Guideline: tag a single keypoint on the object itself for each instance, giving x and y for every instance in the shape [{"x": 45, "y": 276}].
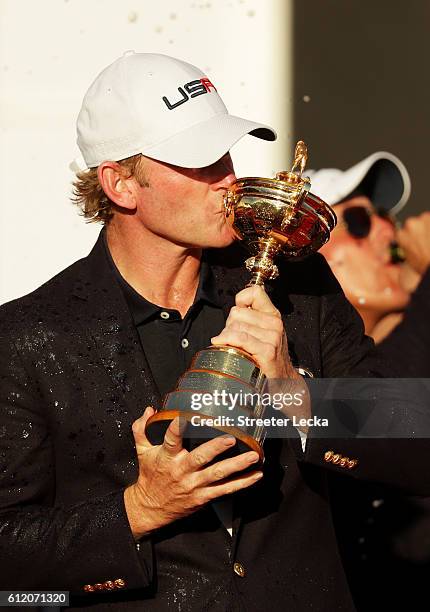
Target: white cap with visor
[
  {"x": 161, "y": 107},
  {"x": 382, "y": 177}
]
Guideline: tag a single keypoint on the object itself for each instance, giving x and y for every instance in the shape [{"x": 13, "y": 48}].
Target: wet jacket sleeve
[{"x": 43, "y": 546}]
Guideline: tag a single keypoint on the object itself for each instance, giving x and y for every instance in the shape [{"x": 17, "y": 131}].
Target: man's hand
[
  {"x": 414, "y": 238},
  {"x": 174, "y": 483},
  {"x": 256, "y": 326}
]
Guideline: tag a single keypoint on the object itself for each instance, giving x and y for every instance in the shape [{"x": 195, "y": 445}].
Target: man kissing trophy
[{"x": 273, "y": 217}]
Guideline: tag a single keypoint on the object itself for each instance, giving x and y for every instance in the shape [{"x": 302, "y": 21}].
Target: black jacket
[
  {"x": 383, "y": 535},
  {"x": 407, "y": 348},
  {"x": 73, "y": 378}
]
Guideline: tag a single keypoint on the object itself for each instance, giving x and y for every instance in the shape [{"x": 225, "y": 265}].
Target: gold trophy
[{"x": 272, "y": 217}]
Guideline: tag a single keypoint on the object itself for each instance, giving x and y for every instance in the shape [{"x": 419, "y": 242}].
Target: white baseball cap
[
  {"x": 161, "y": 107},
  {"x": 382, "y": 177}
]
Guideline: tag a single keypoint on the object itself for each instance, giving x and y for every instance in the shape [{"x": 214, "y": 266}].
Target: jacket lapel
[{"x": 109, "y": 325}]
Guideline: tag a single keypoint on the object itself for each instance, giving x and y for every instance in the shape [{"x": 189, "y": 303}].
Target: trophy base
[
  {"x": 217, "y": 373},
  {"x": 157, "y": 425}
]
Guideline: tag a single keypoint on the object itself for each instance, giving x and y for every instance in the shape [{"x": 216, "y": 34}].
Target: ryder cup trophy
[{"x": 273, "y": 217}]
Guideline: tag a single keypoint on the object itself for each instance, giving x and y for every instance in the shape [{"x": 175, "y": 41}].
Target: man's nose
[
  {"x": 228, "y": 180},
  {"x": 226, "y": 175}
]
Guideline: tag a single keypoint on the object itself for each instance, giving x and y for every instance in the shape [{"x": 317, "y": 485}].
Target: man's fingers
[
  {"x": 268, "y": 336},
  {"x": 232, "y": 485},
  {"x": 255, "y": 297},
  {"x": 227, "y": 467},
  {"x": 172, "y": 443},
  {"x": 138, "y": 429},
  {"x": 249, "y": 343},
  {"x": 206, "y": 452},
  {"x": 260, "y": 319}
]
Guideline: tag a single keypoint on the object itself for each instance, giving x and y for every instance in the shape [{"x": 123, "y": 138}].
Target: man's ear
[{"x": 118, "y": 188}]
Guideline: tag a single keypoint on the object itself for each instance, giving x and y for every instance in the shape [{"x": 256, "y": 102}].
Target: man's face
[
  {"x": 185, "y": 206},
  {"x": 363, "y": 265}
]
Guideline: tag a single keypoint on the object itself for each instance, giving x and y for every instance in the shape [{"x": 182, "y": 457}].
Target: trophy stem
[{"x": 262, "y": 266}]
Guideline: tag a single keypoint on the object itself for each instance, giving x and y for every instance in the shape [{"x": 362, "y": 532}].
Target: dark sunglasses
[{"x": 358, "y": 220}]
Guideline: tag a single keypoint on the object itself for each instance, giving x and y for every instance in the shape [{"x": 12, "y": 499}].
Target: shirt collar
[{"x": 142, "y": 310}]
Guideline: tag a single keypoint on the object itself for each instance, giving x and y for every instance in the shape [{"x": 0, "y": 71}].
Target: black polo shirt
[{"x": 168, "y": 340}]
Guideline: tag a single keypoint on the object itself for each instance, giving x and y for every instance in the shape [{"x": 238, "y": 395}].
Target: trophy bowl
[{"x": 272, "y": 217}]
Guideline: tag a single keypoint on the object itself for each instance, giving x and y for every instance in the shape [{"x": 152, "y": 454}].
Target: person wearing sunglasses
[
  {"x": 382, "y": 265},
  {"x": 384, "y": 269},
  {"x": 362, "y": 252}
]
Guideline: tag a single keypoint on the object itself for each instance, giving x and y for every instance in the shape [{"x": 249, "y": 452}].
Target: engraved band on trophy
[{"x": 273, "y": 217}]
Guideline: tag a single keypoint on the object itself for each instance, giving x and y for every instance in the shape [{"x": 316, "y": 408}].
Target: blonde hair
[{"x": 89, "y": 196}]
